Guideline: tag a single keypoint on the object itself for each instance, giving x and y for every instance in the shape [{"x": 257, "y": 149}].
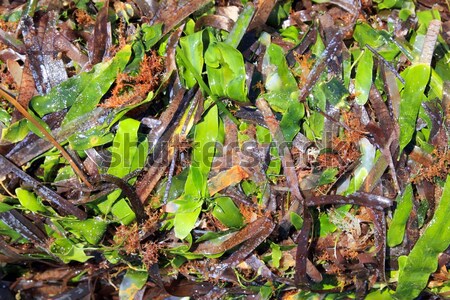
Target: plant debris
[{"x": 224, "y": 149}]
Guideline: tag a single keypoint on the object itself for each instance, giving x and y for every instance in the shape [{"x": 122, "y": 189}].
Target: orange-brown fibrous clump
[
  {"x": 128, "y": 237},
  {"x": 305, "y": 64},
  {"x": 345, "y": 148},
  {"x": 7, "y": 27},
  {"x": 354, "y": 123},
  {"x": 129, "y": 89},
  {"x": 83, "y": 18},
  {"x": 439, "y": 168},
  {"x": 150, "y": 254}
]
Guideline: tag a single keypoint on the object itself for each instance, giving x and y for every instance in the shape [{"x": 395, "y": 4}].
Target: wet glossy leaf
[
  {"x": 385, "y": 294},
  {"x": 177, "y": 186},
  {"x": 192, "y": 46},
  {"x": 363, "y": 79},
  {"x": 5, "y": 118},
  {"x": 83, "y": 91},
  {"x": 205, "y": 137},
  {"x": 276, "y": 255},
  {"x": 291, "y": 34},
  {"x": 367, "y": 162},
  {"x": 123, "y": 211},
  {"x": 132, "y": 282},
  {"x": 29, "y": 200},
  {"x": 389, "y": 4},
  {"x": 184, "y": 222},
  {"x": 151, "y": 34},
  {"x": 226, "y": 71},
  {"x": 34, "y": 128},
  {"x": 123, "y": 151},
  {"x": 16, "y": 132},
  {"x": 90, "y": 139},
  {"x": 364, "y": 34},
  {"x": 227, "y": 213},
  {"x": 186, "y": 215},
  {"x": 124, "y": 147},
  {"x": 280, "y": 84},
  {"x": 290, "y": 122},
  {"x": 91, "y": 230},
  {"x": 416, "y": 80},
  {"x": 328, "y": 176},
  {"x": 68, "y": 251},
  {"x": 296, "y": 220},
  {"x": 423, "y": 258},
  {"x": 334, "y": 92},
  {"x": 5, "y": 207},
  {"x": 91, "y": 95},
  {"x": 401, "y": 214},
  {"x": 240, "y": 27}
]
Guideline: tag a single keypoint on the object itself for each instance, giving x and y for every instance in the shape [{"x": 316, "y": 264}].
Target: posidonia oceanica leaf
[
  {"x": 84, "y": 91},
  {"x": 401, "y": 214},
  {"x": 363, "y": 79},
  {"x": 416, "y": 80},
  {"x": 226, "y": 71},
  {"x": 192, "y": 47},
  {"x": 132, "y": 282},
  {"x": 280, "y": 84},
  {"x": 423, "y": 258},
  {"x": 205, "y": 137}
]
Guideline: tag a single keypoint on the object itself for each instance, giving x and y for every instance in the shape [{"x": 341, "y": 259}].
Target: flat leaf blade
[
  {"x": 363, "y": 79},
  {"x": 416, "y": 79},
  {"x": 397, "y": 228},
  {"x": 423, "y": 258}
]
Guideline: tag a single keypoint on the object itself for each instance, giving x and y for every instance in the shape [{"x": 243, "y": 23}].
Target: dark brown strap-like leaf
[
  {"x": 253, "y": 234},
  {"x": 46, "y": 68},
  {"x": 98, "y": 43},
  {"x": 263, "y": 10},
  {"x": 301, "y": 256},
  {"x": 360, "y": 198},
  {"x": 62, "y": 205},
  {"x": 23, "y": 226},
  {"x": 159, "y": 156},
  {"x": 172, "y": 12}
]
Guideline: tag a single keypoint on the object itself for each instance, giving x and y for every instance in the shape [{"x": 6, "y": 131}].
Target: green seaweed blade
[{"x": 423, "y": 258}]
